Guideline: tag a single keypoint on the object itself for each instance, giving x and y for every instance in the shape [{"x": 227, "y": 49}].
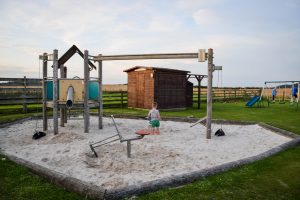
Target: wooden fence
[
  {"x": 29, "y": 90},
  {"x": 20, "y": 91},
  {"x": 228, "y": 93}
]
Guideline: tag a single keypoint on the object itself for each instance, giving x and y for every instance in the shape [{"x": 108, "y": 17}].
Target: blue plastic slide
[{"x": 253, "y": 101}]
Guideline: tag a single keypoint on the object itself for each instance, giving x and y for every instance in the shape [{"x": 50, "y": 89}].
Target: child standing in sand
[{"x": 154, "y": 118}]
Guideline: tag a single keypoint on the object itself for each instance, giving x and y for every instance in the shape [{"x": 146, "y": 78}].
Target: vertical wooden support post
[
  {"x": 55, "y": 93},
  {"x": 62, "y": 110},
  {"x": 100, "y": 95},
  {"x": 65, "y": 110},
  {"x": 45, "y": 117},
  {"x": 25, "y": 94},
  {"x": 209, "y": 92},
  {"x": 86, "y": 91}
]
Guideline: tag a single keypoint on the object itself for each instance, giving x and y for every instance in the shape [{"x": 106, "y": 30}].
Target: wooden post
[
  {"x": 209, "y": 93},
  {"x": 122, "y": 99},
  {"x": 100, "y": 95},
  {"x": 65, "y": 110},
  {"x": 86, "y": 91},
  {"x": 62, "y": 110},
  {"x": 25, "y": 94},
  {"x": 45, "y": 117},
  {"x": 55, "y": 89},
  {"x": 235, "y": 93}
]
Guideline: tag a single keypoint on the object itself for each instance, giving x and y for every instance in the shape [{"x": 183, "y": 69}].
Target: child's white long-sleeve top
[{"x": 154, "y": 114}]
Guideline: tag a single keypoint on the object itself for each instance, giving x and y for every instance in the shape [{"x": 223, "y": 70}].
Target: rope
[
  {"x": 221, "y": 87},
  {"x": 219, "y": 80},
  {"x": 37, "y": 110}
]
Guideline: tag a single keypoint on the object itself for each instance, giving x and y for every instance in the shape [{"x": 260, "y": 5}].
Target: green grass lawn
[
  {"x": 16, "y": 183},
  {"x": 283, "y": 116},
  {"x": 277, "y": 177}
]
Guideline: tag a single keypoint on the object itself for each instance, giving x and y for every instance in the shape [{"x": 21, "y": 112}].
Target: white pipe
[{"x": 70, "y": 95}]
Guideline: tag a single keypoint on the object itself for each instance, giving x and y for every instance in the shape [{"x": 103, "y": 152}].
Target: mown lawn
[
  {"x": 277, "y": 177},
  {"x": 284, "y": 116},
  {"x": 17, "y": 182}
]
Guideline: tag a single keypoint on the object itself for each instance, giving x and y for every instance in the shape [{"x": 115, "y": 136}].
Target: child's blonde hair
[{"x": 154, "y": 104}]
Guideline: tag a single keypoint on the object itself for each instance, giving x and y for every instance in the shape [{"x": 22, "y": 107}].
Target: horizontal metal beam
[
  {"x": 282, "y": 82},
  {"x": 147, "y": 56}
]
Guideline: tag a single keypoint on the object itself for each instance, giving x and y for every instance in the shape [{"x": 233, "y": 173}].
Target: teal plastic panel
[
  {"x": 93, "y": 90},
  {"x": 49, "y": 85}
]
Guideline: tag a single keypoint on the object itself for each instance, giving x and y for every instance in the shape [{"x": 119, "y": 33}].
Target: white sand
[{"x": 178, "y": 149}]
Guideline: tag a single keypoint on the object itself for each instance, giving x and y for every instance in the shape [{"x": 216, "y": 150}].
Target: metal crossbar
[{"x": 147, "y": 56}]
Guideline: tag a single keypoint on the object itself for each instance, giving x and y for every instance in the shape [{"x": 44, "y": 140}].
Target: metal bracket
[
  {"x": 217, "y": 67},
  {"x": 202, "y": 55},
  {"x": 49, "y": 57}
]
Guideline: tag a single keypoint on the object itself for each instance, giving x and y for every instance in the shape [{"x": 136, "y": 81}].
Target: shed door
[{"x": 140, "y": 90}]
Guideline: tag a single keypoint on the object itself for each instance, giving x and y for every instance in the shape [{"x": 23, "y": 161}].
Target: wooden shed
[{"x": 168, "y": 87}]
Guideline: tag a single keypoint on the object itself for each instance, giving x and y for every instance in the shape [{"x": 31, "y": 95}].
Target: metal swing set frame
[{"x": 292, "y": 83}]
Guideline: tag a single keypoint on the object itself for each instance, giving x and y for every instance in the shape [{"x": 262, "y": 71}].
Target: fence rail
[
  {"x": 28, "y": 90},
  {"x": 224, "y": 94}
]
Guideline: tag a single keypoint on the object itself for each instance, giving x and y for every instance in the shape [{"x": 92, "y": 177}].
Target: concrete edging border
[
  {"x": 175, "y": 181},
  {"x": 96, "y": 192},
  {"x": 72, "y": 184}
]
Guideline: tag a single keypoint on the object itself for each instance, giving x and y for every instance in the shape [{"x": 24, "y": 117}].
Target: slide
[{"x": 253, "y": 101}]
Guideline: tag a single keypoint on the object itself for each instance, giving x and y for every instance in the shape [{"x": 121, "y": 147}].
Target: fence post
[
  {"x": 235, "y": 93},
  {"x": 121, "y": 98},
  {"x": 25, "y": 94}
]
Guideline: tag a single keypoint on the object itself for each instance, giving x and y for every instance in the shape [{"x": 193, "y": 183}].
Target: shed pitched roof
[{"x": 156, "y": 69}]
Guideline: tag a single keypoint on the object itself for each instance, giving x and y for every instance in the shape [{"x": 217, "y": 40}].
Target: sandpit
[{"x": 179, "y": 149}]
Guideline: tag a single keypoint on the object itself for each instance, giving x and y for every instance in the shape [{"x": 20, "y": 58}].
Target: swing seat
[{"x": 147, "y": 132}]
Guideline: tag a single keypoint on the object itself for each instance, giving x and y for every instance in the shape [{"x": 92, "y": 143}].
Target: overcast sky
[{"x": 254, "y": 40}]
